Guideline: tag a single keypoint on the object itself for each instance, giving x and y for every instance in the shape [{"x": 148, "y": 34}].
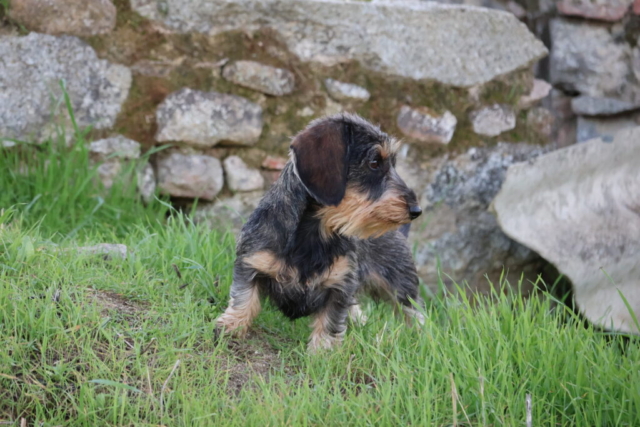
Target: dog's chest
[
  {"x": 301, "y": 271},
  {"x": 332, "y": 276},
  {"x": 318, "y": 262}
]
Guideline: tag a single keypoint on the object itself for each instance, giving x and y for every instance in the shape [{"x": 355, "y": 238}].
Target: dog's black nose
[{"x": 414, "y": 211}]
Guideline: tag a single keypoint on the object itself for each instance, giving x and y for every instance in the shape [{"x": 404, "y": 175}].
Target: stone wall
[{"x": 227, "y": 83}]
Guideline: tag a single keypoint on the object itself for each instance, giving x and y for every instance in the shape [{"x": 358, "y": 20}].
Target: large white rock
[
  {"x": 203, "y": 119},
  {"x": 456, "y": 45},
  {"x": 579, "y": 208},
  {"x": 456, "y": 238},
  {"x": 31, "y": 68}
]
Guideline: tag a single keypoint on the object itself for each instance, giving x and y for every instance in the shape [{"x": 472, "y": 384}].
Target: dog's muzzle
[
  {"x": 414, "y": 212},
  {"x": 409, "y": 197}
]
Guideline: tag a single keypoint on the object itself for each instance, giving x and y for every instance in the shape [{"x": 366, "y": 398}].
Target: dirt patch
[
  {"x": 251, "y": 357},
  {"x": 110, "y": 302}
]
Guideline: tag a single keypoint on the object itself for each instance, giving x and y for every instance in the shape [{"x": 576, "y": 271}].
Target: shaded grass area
[{"x": 89, "y": 341}]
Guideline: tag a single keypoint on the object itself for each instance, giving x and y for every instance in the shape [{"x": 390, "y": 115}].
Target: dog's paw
[
  {"x": 357, "y": 316},
  {"x": 411, "y": 316},
  {"x": 218, "y": 332},
  {"x": 323, "y": 342},
  {"x": 224, "y": 328}
]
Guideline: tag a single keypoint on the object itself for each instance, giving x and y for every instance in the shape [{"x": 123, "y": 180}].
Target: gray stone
[
  {"x": 587, "y": 59},
  {"x": 590, "y": 106},
  {"x": 331, "y": 107},
  {"x": 492, "y": 4},
  {"x": 273, "y": 163},
  {"x": 143, "y": 177},
  {"x": 635, "y": 59},
  {"x": 30, "y": 94},
  {"x": 113, "y": 155},
  {"x": 604, "y": 10},
  {"x": 603, "y": 127},
  {"x": 240, "y": 177},
  {"x": 114, "y": 147},
  {"x": 455, "y": 231},
  {"x": 204, "y": 119},
  {"x": 190, "y": 175},
  {"x": 541, "y": 121},
  {"x": 155, "y": 68},
  {"x": 426, "y": 126},
  {"x": 228, "y": 214},
  {"x": 107, "y": 250},
  {"x": 305, "y": 112},
  {"x": 263, "y": 78},
  {"x": 456, "y": 45},
  {"x": 578, "y": 208},
  {"x": 146, "y": 182},
  {"x": 565, "y": 122},
  {"x": 493, "y": 120},
  {"x": 341, "y": 91},
  {"x": 109, "y": 171},
  {"x": 57, "y": 17},
  {"x": 515, "y": 8},
  {"x": 539, "y": 91}
]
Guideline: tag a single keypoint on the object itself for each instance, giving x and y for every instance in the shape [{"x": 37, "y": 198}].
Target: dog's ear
[{"x": 320, "y": 154}]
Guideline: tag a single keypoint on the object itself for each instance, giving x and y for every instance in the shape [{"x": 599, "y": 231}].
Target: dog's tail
[{"x": 405, "y": 229}]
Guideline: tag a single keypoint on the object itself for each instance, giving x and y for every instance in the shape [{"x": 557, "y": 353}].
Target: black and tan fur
[{"x": 327, "y": 229}]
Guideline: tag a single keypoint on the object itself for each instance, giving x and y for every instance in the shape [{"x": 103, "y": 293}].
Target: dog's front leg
[
  {"x": 244, "y": 303},
  {"x": 330, "y": 324}
]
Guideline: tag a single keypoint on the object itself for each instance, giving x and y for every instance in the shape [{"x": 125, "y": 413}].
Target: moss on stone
[
  {"x": 507, "y": 89},
  {"x": 194, "y": 61},
  {"x": 137, "y": 119}
]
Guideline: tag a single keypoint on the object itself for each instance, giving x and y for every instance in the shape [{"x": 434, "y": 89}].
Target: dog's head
[{"x": 348, "y": 166}]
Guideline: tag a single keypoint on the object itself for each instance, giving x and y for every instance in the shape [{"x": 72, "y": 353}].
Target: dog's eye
[{"x": 374, "y": 164}]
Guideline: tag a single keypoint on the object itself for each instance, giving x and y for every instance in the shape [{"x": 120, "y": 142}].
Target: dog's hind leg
[{"x": 244, "y": 304}]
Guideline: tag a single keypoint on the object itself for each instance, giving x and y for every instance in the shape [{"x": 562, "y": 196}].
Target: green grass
[
  {"x": 86, "y": 341},
  {"x": 55, "y": 185},
  {"x": 91, "y": 342}
]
